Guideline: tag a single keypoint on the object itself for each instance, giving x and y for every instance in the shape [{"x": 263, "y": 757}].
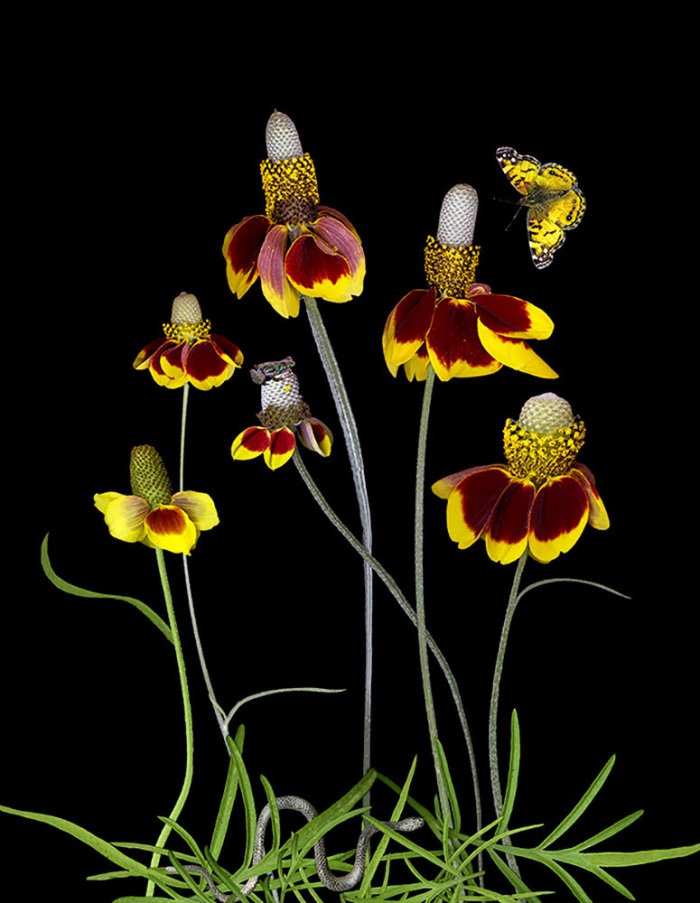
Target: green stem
[
  {"x": 496, "y": 687},
  {"x": 352, "y": 440},
  {"x": 187, "y": 712},
  {"x": 420, "y": 589},
  {"x": 395, "y": 591},
  {"x": 183, "y": 425}
]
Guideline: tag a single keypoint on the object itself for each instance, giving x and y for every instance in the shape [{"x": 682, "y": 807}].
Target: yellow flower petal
[
  {"x": 125, "y": 515},
  {"x": 514, "y": 353},
  {"x": 169, "y": 528},
  {"x": 200, "y": 508}
]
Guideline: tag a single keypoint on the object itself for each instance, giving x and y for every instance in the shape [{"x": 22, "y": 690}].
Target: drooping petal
[
  {"x": 316, "y": 436},
  {"x": 125, "y": 515},
  {"x": 514, "y": 353},
  {"x": 199, "y": 507},
  {"x": 472, "y": 501},
  {"x": 144, "y": 356},
  {"x": 513, "y": 317},
  {"x": 336, "y": 214},
  {"x": 507, "y": 531},
  {"x": 226, "y": 349},
  {"x": 176, "y": 376},
  {"x": 206, "y": 367},
  {"x": 597, "y": 515},
  {"x": 417, "y": 367},
  {"x": 442, "y": 488},
  {"x": 453, "y": 342},
  {"x": 250, "y": 443},
  {"x": 172, "y": 363},
  {"x": 281, "y": 448},
  {"x": 318, "y": 271},
  {"x": 169, "y": 528},
  {"x": 407, "y": 326},
  {"x": 346, "y": 242},
  {"x": 241, "y": 248},
  {"x": 276, "y": 288},
  {"x": 559, "y": 515}
]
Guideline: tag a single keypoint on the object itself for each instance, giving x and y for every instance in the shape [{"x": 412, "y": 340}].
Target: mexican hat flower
[
  {"x": 285, "y": 417},
  {"x": 152, "y": 514},
  {"x": 540, "y": 501},
  {"x": 299, "y": 247},
  {"x": 190, "y": 352},
  {"x": 457, "y": 325}
]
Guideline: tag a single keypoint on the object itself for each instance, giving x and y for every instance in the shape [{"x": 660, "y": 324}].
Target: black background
[{"x": 132, "y": 141}]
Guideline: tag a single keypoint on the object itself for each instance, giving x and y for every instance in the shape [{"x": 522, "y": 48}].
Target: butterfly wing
[
  {"x": 519, "y": 169},
  {"x": 556, "y": 203}
]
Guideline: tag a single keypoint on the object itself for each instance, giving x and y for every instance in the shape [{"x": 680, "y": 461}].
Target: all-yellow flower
[{"x": 153, "y": 514}]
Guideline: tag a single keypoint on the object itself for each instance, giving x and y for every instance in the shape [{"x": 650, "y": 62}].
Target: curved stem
[
  {"x": 218, "y": 709},
  {"x": 420, "y": 590},
  {"x": 395, "y": 591},
  {"x": 496, "y": 686},
  {"x": 187, "y": 712},
  {"x": 352, "y": 440}
]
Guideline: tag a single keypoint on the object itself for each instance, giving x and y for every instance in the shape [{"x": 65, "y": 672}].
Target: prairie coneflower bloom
[
  {"x": 190, "y": 352},
  {"x": 457, "y": 325},
  {"x": 154, "y": 515},
  {"x": 285, "y": 417},
  {"x": 298, "y": 247},
  {"x": 541, "y": 500}
]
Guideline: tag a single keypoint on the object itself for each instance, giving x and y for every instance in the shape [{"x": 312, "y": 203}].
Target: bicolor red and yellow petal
[
  {"x": 152, "y": 514},
  {"x": 174, "y": 527},
  {"x": 540, "y": 502},
  {"x": 190, "y": 352},
  {"x": 276, "y": 446}
]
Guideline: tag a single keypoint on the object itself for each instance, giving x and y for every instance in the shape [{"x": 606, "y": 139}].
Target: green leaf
[
  {"x": 66, "y": 587},
  {"x": 108, "y": 850},
  {"x": 451, "y": 793},
  {"x": 641, "y": 857},
  {"x": 223, "y": 816},
  {"x": 248, "y": 800},
  {"x": 580, "y": 807},
  {"x": 513, "y": 771},
  {"x": 606, "y": 833}
]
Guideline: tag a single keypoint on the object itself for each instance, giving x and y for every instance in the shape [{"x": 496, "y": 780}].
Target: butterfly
[{"x": 551, "y": 194}]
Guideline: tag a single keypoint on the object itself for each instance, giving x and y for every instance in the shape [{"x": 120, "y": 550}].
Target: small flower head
[
  {"x": 285, "y": 417},
  {"x": 540, "y": 501},
  {"x": 298, "y": 247},
  {"x": 190, "y": 352},
  {"x": 458, "y": 325},
  {"x": 152, "y": 514}
]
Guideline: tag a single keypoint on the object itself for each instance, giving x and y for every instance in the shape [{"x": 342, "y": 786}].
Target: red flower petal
[
  {"x": 273, "y": 275},
  {"x": 282, "y": 445},
  {"x": 144, "y": 356},
  {"x": 315, "y": 269},
  {"x": 453, "y": 342},
  {"x": 232, "y": 353},
  {"x": 205, "y": 367},
  {"x": 471, "y": 504},
  {"x": 512, "y": 317},
  {"x": 407, "y": 326},
  {"x": 508, "y": 528},
  {"x": 241, "y": 249},
  {"x": 559, "y": 514}
]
